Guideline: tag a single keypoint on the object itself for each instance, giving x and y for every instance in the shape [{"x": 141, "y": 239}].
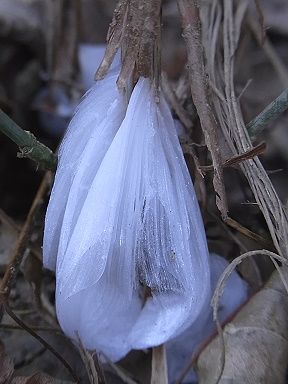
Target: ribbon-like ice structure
[{"x": 123, "y": 228}]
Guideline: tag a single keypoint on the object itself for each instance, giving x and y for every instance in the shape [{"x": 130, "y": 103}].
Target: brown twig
[
  {"x": 191, "y": 25},
  {"x": 23, "y": 238},
  {"x": 136, "y": 28},
  {"x": 114, "y": 37},
  {"x": 249, "y": 234}
]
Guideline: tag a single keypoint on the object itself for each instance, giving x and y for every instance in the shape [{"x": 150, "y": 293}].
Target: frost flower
[{"x": 123, "y": 226}]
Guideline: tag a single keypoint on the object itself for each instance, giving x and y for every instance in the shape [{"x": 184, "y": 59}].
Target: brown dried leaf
[{"x": 256, "y": 344}]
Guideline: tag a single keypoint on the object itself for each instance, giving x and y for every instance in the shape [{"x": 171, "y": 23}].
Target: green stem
[
  {"x": 28, "y": 145},
  {"x": 269, "y": 114}
]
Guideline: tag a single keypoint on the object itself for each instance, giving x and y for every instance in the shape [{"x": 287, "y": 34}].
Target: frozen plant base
[{"x": 123, "y": 226}]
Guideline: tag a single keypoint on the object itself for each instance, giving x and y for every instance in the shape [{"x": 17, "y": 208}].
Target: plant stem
[
  {"x": 28, "y": 144},
  {"x": 269, "y": 114},
  {"x": 191, "y": 25},
  {"x": 21, "y": 243}
]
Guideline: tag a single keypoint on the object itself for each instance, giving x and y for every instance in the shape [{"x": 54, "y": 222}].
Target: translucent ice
[{"x": 132, "y": 261}]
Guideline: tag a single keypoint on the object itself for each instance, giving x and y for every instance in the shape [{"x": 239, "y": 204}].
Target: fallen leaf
[{"x": 256, "y": 341}]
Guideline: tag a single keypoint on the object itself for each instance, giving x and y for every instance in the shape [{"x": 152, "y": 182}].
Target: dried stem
[
  {"x": 23, "y": 238},
  {"x": 159, "y": 373},
  {"x": 13, "y": 266},
  {"x": 269, "y": 114},
  {"x": 27, "y": 143},
  {"x": 222, "y": 43},
  {"x": 191, "y": 24},
  {"x": 136, "y": 28},
  {"x": 114, "y": 37}
]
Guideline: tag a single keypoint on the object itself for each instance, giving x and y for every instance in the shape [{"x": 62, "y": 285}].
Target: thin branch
[
  {"x": 28, "y": 145},
  {"x": 189, "y": 10},
  {"x": 23, "y": 238},
  {"x": 269, "y": 114}
]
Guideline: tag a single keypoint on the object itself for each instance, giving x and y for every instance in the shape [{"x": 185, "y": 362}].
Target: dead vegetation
[{"x": 237, "y": 63}]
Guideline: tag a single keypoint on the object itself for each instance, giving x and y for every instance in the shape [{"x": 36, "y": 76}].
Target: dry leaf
[{"x": 256, "y": 344}]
